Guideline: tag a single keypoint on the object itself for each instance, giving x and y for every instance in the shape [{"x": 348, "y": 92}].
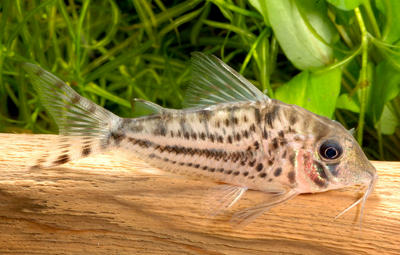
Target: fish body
[{"x": 231, "y": 133}]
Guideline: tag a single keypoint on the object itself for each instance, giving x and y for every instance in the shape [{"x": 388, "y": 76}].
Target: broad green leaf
[
  {"x": 388, "y": 122},
  {"x": 348, "y": 103},
  {"x": 385, "y": 87},
  {"x": 346, "y": 5},
  {"x": 260, "y": 5},
  {"x": 303, "y": 30},
  {"x": 317, "y": 92},
  {"x": 391, "y": 28}
]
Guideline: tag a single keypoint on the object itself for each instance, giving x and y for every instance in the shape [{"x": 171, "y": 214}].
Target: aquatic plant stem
[
  {"x": 363, "y": 82},
  {"x": 371, "y": 17}
]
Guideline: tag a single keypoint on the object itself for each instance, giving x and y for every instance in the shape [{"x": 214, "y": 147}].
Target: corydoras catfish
[{"x": 230, "y": 132}]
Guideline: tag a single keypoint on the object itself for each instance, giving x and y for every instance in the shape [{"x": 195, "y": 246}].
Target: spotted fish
[{"x": 230, "y": 133}]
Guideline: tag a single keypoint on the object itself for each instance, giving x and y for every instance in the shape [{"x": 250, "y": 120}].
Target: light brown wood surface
[{"x": 108, "y": 204}]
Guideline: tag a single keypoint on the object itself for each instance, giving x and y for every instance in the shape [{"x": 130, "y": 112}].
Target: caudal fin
[{"x": 85, "y": 127}]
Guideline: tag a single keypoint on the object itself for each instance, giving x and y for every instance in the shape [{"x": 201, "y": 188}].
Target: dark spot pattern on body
[
  {"x": 257, "y": 116},
  {"x": 228, "y": 172},
  {"x": 186, "y": 135},
  {"x": 270, "y": 162},
  {"x": 320, "y": 131},
  {"x": 136, "y": 128},
  {"x": 202, "y": 136},
  {"x": 204, "y": 115},
  {"x": 265, "y": 134},
  {"x": 226, "y": 122},
  {"x": 256, "y": 145},
  {"x": 262, "y": 175},
  {"x": 252, "y": 163},
  {"x": 284, "y": 154},
  {"x": 229, "y": 139},
  {"x": 259, "y": 167},
  {"x": 292, "y": 177},
  {"x": 272, "y": 115},
  {"x": 292, "y": 158},
  {"x": 211, "y": 137},
  {"x": 235, "y": 120},
  {"x": 117, "y": 137},
  {"x": 236, "y": 173},
  {"x": 278, "y": 172},
  {"x": 274, "y": 143},
  {"x": 252, "y": 128},
  {"x": 220, "y": 139},
  {"x": 246, "y": 173},
  {"x": 238, "y": 137},
  {"x": 216, "y": 154},
  {"x": 293, "y": 118},
  {"x": 160, "y": 129},
  {"x": 246, "y": 134},
  {"x": 141, "y": 143}
]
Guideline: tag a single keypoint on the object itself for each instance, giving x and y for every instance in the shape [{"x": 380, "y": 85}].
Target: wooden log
[{"x": 107, "y": 204}]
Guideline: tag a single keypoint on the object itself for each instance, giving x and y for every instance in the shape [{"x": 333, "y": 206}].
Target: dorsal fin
[
  {"x": 214, "y": 82},
  {"x": 153, "y": 108}
]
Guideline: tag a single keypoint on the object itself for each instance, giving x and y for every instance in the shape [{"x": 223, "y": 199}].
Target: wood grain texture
[{"x": 108, "y": 204}]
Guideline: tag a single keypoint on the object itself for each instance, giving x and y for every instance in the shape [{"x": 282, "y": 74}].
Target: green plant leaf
[
  {"x": 385, "y": 87},
  {"x": 391, "y": 10},
  {"x": 261, "y": 7},
  {"x": 346, "y": 5},
  {"x": 388, "y": 122},
  {"x": 348, "y": 103},
  {"x": 303, "y": 30},
  {"x": 317, "y": 92}
]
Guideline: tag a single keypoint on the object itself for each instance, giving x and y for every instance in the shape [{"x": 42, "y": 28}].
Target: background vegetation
[{"x": 338, "y": 58}]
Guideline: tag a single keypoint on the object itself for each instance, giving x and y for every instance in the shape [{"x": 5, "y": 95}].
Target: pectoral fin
[
  {"x": 222, "y": 198},
  {"x": 245, "y": 216}
]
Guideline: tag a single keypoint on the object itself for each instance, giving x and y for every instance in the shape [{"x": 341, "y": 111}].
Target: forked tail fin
[{"x": 85, "y": 127}]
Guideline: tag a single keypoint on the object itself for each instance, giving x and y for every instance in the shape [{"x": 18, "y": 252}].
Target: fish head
[{"x": 334, "y": 161}]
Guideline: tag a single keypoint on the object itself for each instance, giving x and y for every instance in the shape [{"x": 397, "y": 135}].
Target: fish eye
[{"x": 330, "y": 149}]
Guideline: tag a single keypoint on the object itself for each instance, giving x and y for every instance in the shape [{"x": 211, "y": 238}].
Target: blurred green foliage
[{"x": 338, "y": 58}]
